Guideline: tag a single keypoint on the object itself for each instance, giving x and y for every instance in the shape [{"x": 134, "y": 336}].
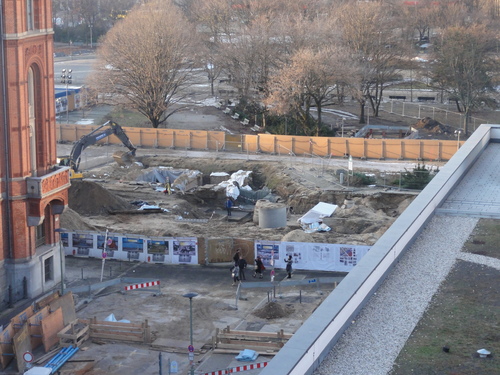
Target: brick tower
[{"x": 33, "y": 190}]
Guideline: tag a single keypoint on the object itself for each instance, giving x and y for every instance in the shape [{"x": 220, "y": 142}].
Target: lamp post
[
  {"x": 191, "y": 295},
  {"x": 91, "y": 26},
  {"x": 67, "y": 79},
  {"x": 61, "y": 257}
]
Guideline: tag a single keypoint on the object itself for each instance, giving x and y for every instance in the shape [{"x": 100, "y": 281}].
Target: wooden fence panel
[{"x": 398, "y": 149}]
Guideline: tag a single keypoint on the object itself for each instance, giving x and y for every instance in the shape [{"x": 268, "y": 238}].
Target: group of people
[{"x": 238, "y": 268}]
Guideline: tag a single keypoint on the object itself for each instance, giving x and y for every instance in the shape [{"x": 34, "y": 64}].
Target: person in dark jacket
[
  {"x": 229, "y": 206},
  {"x": 236, "y": 257},
  {"x": 242, "y": 263},
  {"x": 289, "y": 262},
  {"x": 259, "y": 267}
]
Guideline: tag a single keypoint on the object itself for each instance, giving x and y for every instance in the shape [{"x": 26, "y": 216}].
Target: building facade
[{"x": 33, "y": 189}]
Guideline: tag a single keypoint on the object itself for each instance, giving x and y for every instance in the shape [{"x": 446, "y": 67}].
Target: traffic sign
[
  {"x": 28, "y": 357},
  {"x": 191, "y": 356},
  {"x": 104, "y": 255},
  {"x": 191, "y": 348}
]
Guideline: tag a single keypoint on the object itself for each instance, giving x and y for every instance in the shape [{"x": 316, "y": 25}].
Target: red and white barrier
[
  {"x": 238, "y": 369},
  {"x": 142, "y": 285}
]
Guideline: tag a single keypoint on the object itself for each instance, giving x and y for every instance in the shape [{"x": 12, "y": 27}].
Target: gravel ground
[{"x": 374, "y": 340}]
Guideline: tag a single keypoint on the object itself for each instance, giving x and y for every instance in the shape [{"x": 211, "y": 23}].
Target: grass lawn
[{"x": 464, "y": 316}]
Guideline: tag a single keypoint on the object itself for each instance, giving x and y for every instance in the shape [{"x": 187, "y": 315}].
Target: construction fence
[
  {"x": 445, "y": 116},
  {"x": 324, "y": 147}
]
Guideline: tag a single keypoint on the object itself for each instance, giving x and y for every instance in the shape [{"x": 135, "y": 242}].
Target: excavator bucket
[{"x": 124, "y": 158}]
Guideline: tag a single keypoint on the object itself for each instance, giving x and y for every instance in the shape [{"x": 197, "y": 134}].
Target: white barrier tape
[{"x": 237, "y": 369}]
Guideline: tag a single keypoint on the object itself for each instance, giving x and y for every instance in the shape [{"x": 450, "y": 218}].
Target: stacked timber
[{"x": 230, "y": 341}]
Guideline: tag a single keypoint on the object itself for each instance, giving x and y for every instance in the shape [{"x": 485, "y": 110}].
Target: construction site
[{"x": 113, "y": 330}]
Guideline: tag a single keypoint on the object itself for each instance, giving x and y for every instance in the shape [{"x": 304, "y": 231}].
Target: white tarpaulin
[
  {"x": 241, "y": 178},
  {"x": 311, "y": 221},
  {"x": 318, "y": 212}
]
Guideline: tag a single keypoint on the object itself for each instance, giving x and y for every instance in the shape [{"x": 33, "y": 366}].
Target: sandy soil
[{"x": 362, "y": 217}]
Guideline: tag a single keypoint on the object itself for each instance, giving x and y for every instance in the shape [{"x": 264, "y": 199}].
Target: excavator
[{"x": 122, "y": 158}]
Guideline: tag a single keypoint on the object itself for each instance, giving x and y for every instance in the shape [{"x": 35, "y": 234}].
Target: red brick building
[{"x": 33, "y": 190}]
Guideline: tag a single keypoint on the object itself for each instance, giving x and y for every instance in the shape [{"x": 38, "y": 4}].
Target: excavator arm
[{"x": 92, "y": 138}]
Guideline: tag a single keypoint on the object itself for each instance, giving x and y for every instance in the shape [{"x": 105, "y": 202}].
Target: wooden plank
[
  {"x": 278, "y": 345},
  {"x": 45, "y": 301},
  {"x": 116, "y": 324},
  {"x": 51, "y": 325},
  {"x": 67, "y": 303},
  {"x": 6, "y": 346},
  {"x": 35, "y": 327},
  {"x": 120, "y": 331},
  {"x": 251, "y": 338},
  {"x": 118, "y": 338},
  {"x": 241, "y": 346},
  {"x": 22, "y": 344},
  {"x": 279, "y": 334},
  {"x": 21, "y": 318}
]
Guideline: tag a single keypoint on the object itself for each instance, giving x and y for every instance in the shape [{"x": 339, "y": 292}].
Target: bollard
[
  {"x": 25, "y": 287},
  {"x": 82, "y": 273},
  {"x": 300, "y": 296}
]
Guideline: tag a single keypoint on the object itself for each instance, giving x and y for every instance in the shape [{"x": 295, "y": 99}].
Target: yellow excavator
[{"x": 122, "y": 158}]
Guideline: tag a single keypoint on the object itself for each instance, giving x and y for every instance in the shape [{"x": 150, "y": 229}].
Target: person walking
[
  {"x": 289, "y": 262},
  {"x": 259, "y": 267},
  {"x": 229, "y": 206},
  {"x": 236, "y": 258},
  {"x": 242, "y": 263},
  {"x": 236, "y": 274},
  {"x": 168, "y": 189}
]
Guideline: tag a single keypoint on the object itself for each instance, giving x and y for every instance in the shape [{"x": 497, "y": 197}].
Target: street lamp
[
  {"x": 90, "y": 26},
  {"x": 67, "y": 79},
  {"x": 191, "y": 295},
  {"x": 61, "y": 257}
]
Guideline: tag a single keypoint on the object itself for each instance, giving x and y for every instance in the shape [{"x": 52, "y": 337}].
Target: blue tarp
[{"x": 247, "y": 355}]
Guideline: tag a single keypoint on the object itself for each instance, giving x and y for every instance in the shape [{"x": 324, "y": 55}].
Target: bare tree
[
  {"x": 213, "y": 20},
  {"x": 368, "y": 33},
  {"x": 308, "y": 81},
  {"x": 464, "y": 66},
  {"x": 144, "y": 61}
]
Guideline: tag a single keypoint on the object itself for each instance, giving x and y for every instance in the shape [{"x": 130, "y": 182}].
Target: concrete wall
[
  {"x": 303, "y": 353},
  {"x": 401, "y": 149}
]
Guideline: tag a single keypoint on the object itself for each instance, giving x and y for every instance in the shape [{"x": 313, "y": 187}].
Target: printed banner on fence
[{"x": 311, "y": 256}]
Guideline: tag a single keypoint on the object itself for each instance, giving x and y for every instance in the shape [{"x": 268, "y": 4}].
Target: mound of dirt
[
  {"x": 71, "y": 220},
  {"x": 89, "y": 198},
  {"x": 273, "y": 310},
  {"x": 431, "y": 126},
  {"x": 297, "y": 235}
]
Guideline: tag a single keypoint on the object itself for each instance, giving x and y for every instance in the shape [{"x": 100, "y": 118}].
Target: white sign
[{"x": 174, "y": 368}]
